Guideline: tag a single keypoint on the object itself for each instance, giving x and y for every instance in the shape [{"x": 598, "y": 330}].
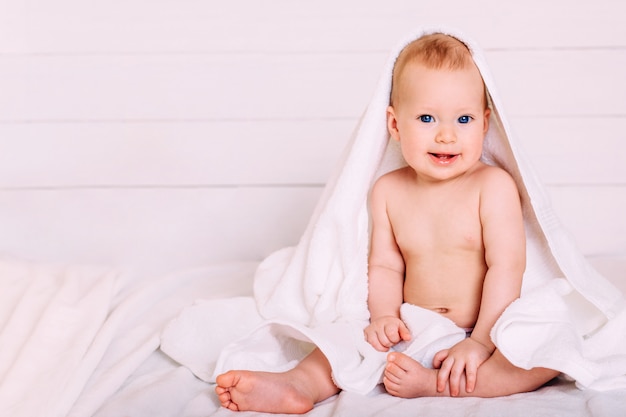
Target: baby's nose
[{"x": 445, "y": 136}]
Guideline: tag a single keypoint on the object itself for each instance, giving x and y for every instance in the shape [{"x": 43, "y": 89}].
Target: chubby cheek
[
  {"x": 476, "y": 148},
  {"x": 413, "y": 151}
]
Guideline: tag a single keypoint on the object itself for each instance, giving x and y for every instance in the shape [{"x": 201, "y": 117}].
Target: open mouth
[{"x": 443, "y": 158}]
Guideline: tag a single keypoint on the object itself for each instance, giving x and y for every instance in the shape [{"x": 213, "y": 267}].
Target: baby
[
  {"x": 447, "y": 230},
  {"x": 447, "y": 236}
]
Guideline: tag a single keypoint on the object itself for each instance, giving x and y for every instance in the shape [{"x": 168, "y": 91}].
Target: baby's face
[{"x": 440, "y": 120}]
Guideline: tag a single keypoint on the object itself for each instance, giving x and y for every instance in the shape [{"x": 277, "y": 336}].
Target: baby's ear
[
  {"x": 487, "y": 115},
  {"x": 392, "y": 123}
]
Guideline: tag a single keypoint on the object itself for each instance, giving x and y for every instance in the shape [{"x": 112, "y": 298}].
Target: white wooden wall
[{"x": 173, "y": 133}]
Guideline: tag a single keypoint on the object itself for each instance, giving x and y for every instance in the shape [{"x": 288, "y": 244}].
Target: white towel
[
  {"x": 317, "y": 291},
  {"x": 279, "y": 345}
]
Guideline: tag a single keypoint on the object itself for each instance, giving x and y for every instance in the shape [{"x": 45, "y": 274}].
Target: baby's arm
[
  {"x": 505, "y": 256},
  {"x": 385, "y": 276}
]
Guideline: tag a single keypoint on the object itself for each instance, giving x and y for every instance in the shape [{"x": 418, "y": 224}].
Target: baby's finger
[
  {"x": 405, "y": 333},
  {"x": 373, "y": 339},
  {"x": 440, "y": 357},
  {"x": 455, "y": 378},
  {"x": 383, "y": 340},
  {"x": 444, "y": 374},
  {"x": 471, "y": 372},
  {"x": 392, "y": 334}
]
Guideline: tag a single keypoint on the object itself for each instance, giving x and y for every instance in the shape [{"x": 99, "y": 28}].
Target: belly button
[{"x": 441, "y": 310}]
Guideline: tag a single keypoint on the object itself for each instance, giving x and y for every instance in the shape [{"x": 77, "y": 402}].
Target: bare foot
[
  {"x": 263, "y": 391},
  {"x": 405, "y": 377}
]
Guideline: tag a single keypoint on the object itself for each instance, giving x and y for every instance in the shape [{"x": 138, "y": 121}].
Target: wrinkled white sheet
[
  {"x": 71, "y": 336},
  {"x": 55, "y": 327},
  {"x": 82, "y": 341}
]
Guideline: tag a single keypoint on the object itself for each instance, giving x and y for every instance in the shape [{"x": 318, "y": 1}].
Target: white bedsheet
[{"x": 82, "y": 341}]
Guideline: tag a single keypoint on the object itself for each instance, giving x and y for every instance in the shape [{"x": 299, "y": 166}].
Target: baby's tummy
[
  {"x": 464, "y": 316},
  {"x": 455, "y": 294}
]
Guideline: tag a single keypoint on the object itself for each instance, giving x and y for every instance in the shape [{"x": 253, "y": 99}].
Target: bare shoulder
[
  {"x": 499, "y": 195},
  {"x": 390, "y": 180},
  {"x": 495, "y": 179}
]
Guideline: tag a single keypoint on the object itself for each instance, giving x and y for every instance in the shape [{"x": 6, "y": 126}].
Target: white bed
[
  {"x": 135, "y": 139},
  {"x": 119, "y": 370}
]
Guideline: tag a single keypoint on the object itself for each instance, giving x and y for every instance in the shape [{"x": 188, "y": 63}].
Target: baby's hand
[
  {"x": 384, "y": 332},
  {"x": 467, "y": 356}
]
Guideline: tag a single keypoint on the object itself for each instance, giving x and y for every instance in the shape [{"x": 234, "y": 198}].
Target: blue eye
[
  {"x": 464, "y": 119},
  {"x": 426, "y": 118}
]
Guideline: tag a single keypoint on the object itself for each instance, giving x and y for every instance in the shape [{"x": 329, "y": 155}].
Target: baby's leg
[
  {"x": 295, "y": 391},
  {"x": 407, "y": 378}
]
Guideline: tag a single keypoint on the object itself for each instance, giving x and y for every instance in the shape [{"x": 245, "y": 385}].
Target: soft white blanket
[
  {"x": 54, "y": 329},
  {"x": 72, "y": 337},
  {"x": 569, "y": 317}
]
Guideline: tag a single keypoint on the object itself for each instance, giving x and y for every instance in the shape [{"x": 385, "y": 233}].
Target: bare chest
[{"x": 444, "y": 225}]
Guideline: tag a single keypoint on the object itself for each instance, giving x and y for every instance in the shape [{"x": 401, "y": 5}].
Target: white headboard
[{"x": 170, "y": 134}]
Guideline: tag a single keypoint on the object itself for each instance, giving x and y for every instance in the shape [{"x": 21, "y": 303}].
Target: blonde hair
[{"x": 435, "y": 51}]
